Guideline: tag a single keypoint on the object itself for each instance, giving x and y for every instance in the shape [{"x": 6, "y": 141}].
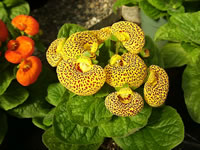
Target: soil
[{"x": 51, "y": 14}]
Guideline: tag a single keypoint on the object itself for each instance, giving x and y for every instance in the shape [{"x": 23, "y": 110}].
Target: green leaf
[
  {"x": 190, "y": 85},
  {"x": 155, "y": 57},
  {"x": 48, "y": 119},
  {"x": 174, "y": 55},
  {"x": 67, "y": 29},
  {"x": 150, "y": 10},
  {"x": 120, "y": 3},
  {"x": 36, "y": 105},
  {"x": 3, "y": 14},
  {"x": 3, "y": 126},
  {"x": 123, "y": 126},
  {"x": 21, "y": 9},
  {"x": 181, "y": 27},
  {"x": 14, "y": 96},
  {"x": 165, "y": 130},
  {"x": 164, "y": 5},
  {"x": 73, "y": 133},
  {"x": 56, "y": 93},
  {"x": 88, "y": 111},
  {"x": 53, "y": 143},
  {"x": 6, "y": 78},
  {"x": 10, "y": 3},
  {"x": 174, "y": 11},
  {"x": 38, "y": 122}
]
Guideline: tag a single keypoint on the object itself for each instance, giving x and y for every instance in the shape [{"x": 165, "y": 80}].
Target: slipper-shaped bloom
[
  {"x": 124, "y": 103},
  {"x": 102, "y": 34},
  {"x": 156, "y": 86},
  {"x": 126, "y": 69},
  {"x": 130, "y": 34},
  {"x": 19, "y": 49},
  {"x": 81, "y": 76},
  {"x": 78, "y": 43},
  {"x": 29, "y": 70},
  {"x": 26, "y": 23},
  {"x": 3, "y": 32},
  {"x": 53, "y": 53}
]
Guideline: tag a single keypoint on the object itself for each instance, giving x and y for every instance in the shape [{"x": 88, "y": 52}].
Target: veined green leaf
[
  {"x": 191, "y": 84},
  {"x": 150, "y": 10},
  {"x": 21, "y": 9},
  {"x": 88, "y": 111},
  {"x": 164, "y": 131},
  {"x": 174, "y": 55},
  {"x": 181, "y": 27},
  {"x": 73, "y": 133},
  {"x": 56, "y": 93},
  {"x": 53, "y": 143},
  {"x": 164, "y": 5},
  {"x": 14, "y": 96},
  {"x": 67, "y": 29}
]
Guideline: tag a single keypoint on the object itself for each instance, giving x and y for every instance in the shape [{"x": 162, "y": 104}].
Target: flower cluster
[
  {"x": 20, "y": 50},
  {"x": 125, "y": 72}
]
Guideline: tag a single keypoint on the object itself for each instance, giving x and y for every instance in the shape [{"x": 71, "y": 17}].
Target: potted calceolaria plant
[{"x": 108, "y": 88}]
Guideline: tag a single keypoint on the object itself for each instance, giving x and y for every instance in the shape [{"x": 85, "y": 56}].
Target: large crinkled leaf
[
  {"x": 165, "y": 4},
  {"x": 6, "y": 77},
  {"x": 53, "y": 143},
  {"x": 191, "y": 84},
  {"x": 67, "y": 29},
  {"x": 36, "y": 105},
  {"x": 14, "y": 96},
  {"x": 56, "y": 93},
  {"x": 174, "y": 55},
  {"x": 155, "y": 57},
  {"x": 181, "y": 27},
  {"x": 164, "y": 131},
  {"x": 20, "y": 9},
  {"x": 88, "y": 111},
  {"x": 3, "y": 126},
  {"x": 73, "y": 133},
  {"x": 123, "y": 126},
  {"x": 150, "y": 10}
]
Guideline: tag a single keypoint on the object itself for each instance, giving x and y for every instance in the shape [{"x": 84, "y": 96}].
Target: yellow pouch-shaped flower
[
  {"x": 124, "y": 103},
  {"x": 128, "y": 68},
  {"x": 156, "y": 87},
  {"x": 81, "y": 76},
  {"x": 130, "y": 34}
]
